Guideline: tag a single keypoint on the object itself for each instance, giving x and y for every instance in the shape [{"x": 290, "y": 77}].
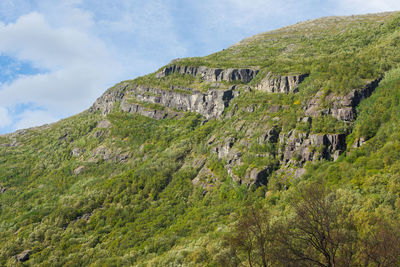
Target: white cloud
[
  {"x": 78, "y": 67},
  {"x": 32, "y": 39},
  {"x": 5, "y": 119},
  {"x": 83, "y": 47},
  {"x": 30, "y": 118}
]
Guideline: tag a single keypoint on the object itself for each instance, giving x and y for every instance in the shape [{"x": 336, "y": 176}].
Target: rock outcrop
[
  {"x": 301, "y": 147},
  {"x": 210, "y": 104},
  {"x": 211, "y": 74},
  {"x": 280, "y": 84},
  {"x": 342, "y": 107},
  {"x": 106, "y": 102},
  {"x": 258, "y": 176},
  {"x": 148, "y": 112},
  {"x": 23, "y": 256}
]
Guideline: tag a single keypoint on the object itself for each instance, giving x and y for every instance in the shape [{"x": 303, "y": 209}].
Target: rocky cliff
[
  {"x": 281, "y": 84},
  {"x": 341, "y": 107},
  {"x": 295, "y": 147},
  {"x": 133, "y": 99},
  {"x": 211, "y": 74}
]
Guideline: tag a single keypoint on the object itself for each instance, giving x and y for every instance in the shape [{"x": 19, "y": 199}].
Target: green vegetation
[
  {"x": 340, "y": 53},
  {"x": 175, "y": 80},
  {"x": 127, "y": 190}
]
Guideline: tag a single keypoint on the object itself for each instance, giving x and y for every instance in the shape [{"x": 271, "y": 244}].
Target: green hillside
[{"x": 281, "y": 150}]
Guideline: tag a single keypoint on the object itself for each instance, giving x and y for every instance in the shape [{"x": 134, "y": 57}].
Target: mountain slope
[{"x": 156, "y": 170}]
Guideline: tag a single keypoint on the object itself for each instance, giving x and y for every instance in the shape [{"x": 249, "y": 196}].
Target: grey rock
[
  {"x": 299, "y": 172},
  {"x": 280, "y": 84},
  {"x": 14, "y": 143},
  {"x": 302, "y": 147},
  {"x": 211, "y": 74},
  {"x": 258, "y": 176},
  {"x": 359, "y": 142},
  {"x": 23, "y": 256},
  {"x": 107, "y": 154},
  {"x": 232, "y": 111},
  {"x": 205, "y": 179},
  {"x": 85, "y": 216},
  {"x": 271, "y": 136},
  {"x": 274, "y": 108},
  {"x": 104, "y": 124},
  {"x": 210, "y": 104},
  {"x": 79, "y": 170},
  {"x": 106, "y": 102},
  {"x": 342, "y": 107},
  {"x": 76, "y": 151},
  {"x": 151, "y": 113},
  {"x": 223, "y": 150},
  {"x": 103, "y": 153}
]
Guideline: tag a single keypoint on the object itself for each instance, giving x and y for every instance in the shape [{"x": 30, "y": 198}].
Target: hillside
[{"x": 161, "y": 170}]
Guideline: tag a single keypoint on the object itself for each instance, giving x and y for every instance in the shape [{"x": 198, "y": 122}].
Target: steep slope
[{"x": 154, "y": 171}]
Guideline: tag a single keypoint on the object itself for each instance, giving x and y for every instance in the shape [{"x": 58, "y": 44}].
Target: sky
[{"x": 57, "y": 57}]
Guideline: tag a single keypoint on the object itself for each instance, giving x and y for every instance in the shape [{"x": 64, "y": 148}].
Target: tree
[
  {"x": 318, "y": 230},
  {"x": 251, "y": 236},
  {"x": 381, "y": 245},
  {"x": 319, "y": 233}
]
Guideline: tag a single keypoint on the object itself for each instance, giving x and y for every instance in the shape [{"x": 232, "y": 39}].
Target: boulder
[
  {"x": 258, "y": 176},
  {"x": 271, "y": 136},
  {"x": 104, "y": 124},
  {"x": 79, "y": 170},
  {"x": 76, "y": 151},
  {"x": 23, "y": 256}
]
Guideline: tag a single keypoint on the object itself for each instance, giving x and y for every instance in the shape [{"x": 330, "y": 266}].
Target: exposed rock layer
[
  {"x": 342, "y": 107},
  {"x": 210, "y": 104},
  {"x": 281, "y": 84},
  {"x": 211, "y": 74},
  {"x": 301, "y": 147}
]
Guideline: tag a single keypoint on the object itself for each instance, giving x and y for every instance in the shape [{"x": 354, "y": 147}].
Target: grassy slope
[{"x": 144, "y": 209}]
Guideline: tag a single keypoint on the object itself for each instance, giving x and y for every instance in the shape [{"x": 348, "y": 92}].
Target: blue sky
[{"x": 57, "y": 57}]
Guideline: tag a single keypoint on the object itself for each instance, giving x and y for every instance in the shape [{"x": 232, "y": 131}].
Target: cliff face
[
  {"x": 295, "y": 147},
  {"x": 281, "y": 84},
  {"x": 210, "y": 104},
  {"x": 211, "y": 74},
  {"x": 341, "y": 107}
]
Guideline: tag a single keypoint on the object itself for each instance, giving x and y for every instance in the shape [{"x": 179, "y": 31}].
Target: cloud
[
  {"x": 79, "y": 48},
  {"x": 5, "y": 119},
  {"x": 76, "y": 67}
]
